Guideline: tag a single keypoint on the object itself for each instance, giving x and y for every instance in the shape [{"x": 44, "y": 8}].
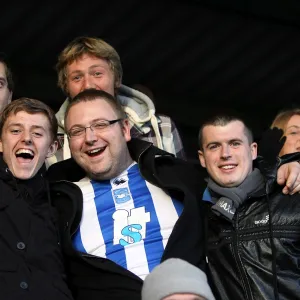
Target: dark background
[{"x": 195, "y": 56}]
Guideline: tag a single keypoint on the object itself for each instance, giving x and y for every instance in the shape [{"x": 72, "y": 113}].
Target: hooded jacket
[{"x": 145, "y": 124}]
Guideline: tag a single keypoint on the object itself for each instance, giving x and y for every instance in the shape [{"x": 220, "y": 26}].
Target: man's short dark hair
[
  {"x": 30, "y": 106},
  {"x": 92, "y": 95},
  {"x": 8, "y": 71},
  {"x": 223, "y": 120}
]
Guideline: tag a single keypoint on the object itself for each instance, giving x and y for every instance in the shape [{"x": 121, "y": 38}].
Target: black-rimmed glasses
[{"x": 97, "y": 127}]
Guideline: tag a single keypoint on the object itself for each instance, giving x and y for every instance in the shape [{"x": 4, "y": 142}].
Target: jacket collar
[
  {"x": 34, "y": 186},
  {"x": 138, "y": 147}
]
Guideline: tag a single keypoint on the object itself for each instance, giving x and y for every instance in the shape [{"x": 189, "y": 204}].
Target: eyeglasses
[{"x": 96, "y": 127}]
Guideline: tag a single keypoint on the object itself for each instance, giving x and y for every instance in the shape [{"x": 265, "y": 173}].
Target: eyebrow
[
  {"x": 229, "y": 142},
  {"x": 294, "y": 126},
  {"x": 91, "y": 122},
  {"x": 31, "y": 127},
  {"x": 91, "y": 67}
]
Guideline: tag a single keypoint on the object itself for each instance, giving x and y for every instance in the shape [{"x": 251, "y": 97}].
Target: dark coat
[
  {"x": 248, "y": 257},
  {"x": 99, "y": 278},
  {"x": 31, "y": 263}
]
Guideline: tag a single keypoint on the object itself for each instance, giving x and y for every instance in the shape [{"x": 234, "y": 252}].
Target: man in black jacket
[
  {"x": 31, "y": 264},
  {"x": 253, "y": 228},
  {"x": 139, "y": 205}
]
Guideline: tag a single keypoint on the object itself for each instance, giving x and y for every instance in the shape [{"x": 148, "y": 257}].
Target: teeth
[
  {"x": 95, "y": 150},
  {"x": 228, "y": 167},
  {"x": 20, "y": 151}
]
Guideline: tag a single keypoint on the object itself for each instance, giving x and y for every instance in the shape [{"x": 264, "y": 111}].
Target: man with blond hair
[{"x": 89, "y": 62}]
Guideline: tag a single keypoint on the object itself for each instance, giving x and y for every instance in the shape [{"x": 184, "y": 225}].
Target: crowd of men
[{"x": 98, "y": 201}]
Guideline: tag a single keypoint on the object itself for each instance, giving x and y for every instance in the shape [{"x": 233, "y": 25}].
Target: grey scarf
[{"x": 227, "y": 200}]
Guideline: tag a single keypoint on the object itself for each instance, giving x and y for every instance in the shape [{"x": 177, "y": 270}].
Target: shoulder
[
  {"x": 165, "y": 120},
  {"x": 65, "y": 170},
  {"x": 186, "y": 173}
]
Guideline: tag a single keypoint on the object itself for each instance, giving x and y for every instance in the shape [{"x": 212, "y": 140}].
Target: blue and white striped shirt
[{"x": 127, "y": 220}]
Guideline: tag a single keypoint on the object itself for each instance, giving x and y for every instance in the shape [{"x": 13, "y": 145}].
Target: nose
[
  {"x": 27, "y": 138},
  {"x": 225, "y": 152},
  {"x": 90, "y": 136},
  {"x": 87, "y": 83}
]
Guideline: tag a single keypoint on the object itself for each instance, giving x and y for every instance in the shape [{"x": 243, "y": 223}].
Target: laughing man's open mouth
[
  {"x": 25, "y": 154},
  {"x": 95, "y": 152}
]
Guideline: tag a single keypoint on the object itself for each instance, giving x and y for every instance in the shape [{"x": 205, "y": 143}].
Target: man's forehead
[
  {"x": 230, "y": 131},
  {"x": 98, "y": 108},
  {"x": 22, "y": 117},
  {"x": 94, "y": 60}
]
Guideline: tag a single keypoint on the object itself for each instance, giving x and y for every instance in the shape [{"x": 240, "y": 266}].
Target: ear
[
  {"x": 253, "y": 147},
  {"x": 201, "y": 158},
  {"x": 126, "y": 130},
  {"x": 52, "y": 149},
  {"x": 1, "y": 148}
]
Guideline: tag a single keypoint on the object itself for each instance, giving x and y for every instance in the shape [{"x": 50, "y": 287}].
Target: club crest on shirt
[{"x": 121, "y": 195}]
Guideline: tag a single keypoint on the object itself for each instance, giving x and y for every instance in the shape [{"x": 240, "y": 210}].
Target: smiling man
[
  {"x": 130, "y": 217},
  {"x": 31, "y": 264},
  {"x": 90, "y": 62},
  {"x": 251, "y": 235}
]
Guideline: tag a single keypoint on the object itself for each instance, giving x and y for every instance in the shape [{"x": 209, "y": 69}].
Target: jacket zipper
[{"x": 238, "y": 259}]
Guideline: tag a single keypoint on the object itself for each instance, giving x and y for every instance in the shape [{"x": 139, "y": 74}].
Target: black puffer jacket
[{"x": 252, "y": 258}]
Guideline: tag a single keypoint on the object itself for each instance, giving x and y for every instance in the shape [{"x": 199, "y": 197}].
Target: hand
[{"x": 289, "y": 176}]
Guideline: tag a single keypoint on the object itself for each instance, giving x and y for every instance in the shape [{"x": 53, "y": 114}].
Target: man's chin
[
  {"x": 25, "y": 174},
  {"x": 100, "y": 174},
  {"x": 228, "y": 183}
]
